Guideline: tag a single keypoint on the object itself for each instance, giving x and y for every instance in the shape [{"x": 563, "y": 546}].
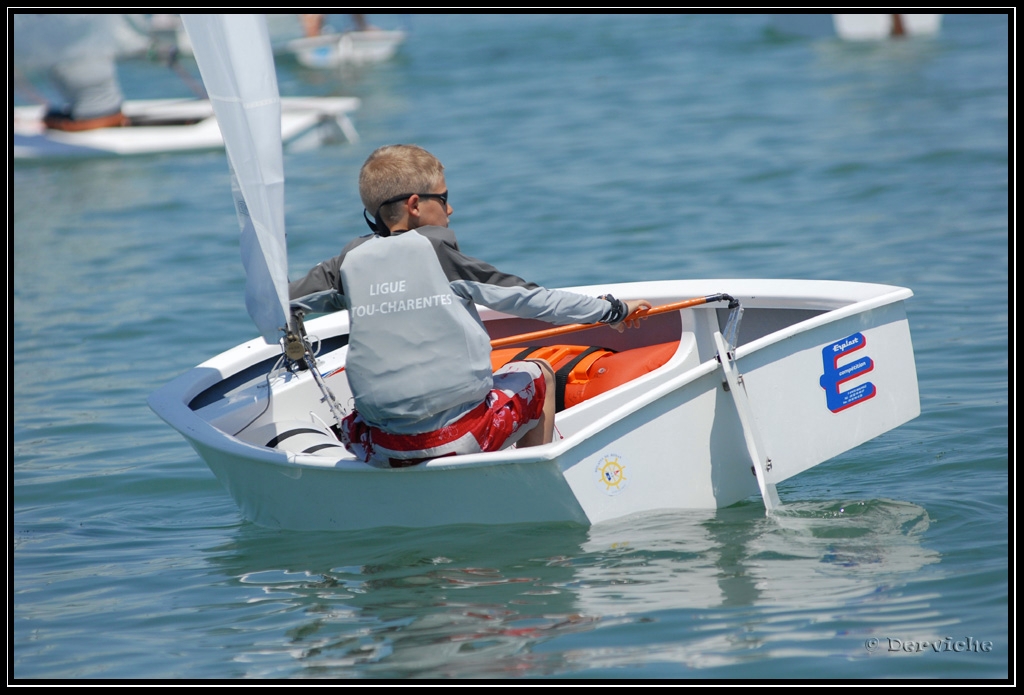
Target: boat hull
[
  {"x": 172, "y": 125},
  {"x": 345, "y": 48},
  {"x": 670, "y": 439},
  {"x": 859, "y": 27}
]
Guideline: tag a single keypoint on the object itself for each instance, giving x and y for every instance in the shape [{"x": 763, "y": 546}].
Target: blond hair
[{"x": 396, "y": 170}]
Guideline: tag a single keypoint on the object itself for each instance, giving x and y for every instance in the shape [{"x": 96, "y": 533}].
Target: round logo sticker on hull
[{"x": 611, "y": 474}]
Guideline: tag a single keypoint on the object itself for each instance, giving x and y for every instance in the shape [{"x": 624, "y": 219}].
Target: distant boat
[
  {"x": 178, "y": 125},
  {"x": 859, "y": 27},
  {"x": 872, "y": 27},
  {"x": 343, "y": 48},
  {"x": 330, "y": 49}
]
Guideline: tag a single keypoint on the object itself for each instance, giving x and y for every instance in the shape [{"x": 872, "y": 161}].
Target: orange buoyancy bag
[{"x": 582, "y": 372}]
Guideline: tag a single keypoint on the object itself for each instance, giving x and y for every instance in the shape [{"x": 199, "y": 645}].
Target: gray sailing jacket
[{"x": 419, "y": 355}]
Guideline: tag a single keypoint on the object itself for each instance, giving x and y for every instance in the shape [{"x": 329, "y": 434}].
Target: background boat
[
  {"x": 331, "y": 50},
  {"x": 859, "y": 26},
  {"x": 153, "y": 125}
]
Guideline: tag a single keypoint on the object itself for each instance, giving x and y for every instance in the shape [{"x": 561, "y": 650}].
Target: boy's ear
[{"x": 412, "y": 206}]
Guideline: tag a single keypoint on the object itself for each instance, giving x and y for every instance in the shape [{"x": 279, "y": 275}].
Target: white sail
[{"x": 235, "y": 60}]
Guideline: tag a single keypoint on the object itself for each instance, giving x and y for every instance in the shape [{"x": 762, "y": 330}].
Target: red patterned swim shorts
[{"x": 511, "y": 409}]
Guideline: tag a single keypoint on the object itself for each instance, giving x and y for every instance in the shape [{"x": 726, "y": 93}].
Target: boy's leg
[{"x": 543, "y": 431}]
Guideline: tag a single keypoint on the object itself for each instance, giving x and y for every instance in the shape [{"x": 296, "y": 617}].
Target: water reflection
[
  {"x": 823, "y": 577},
  {"x": 479, "y": 602}
]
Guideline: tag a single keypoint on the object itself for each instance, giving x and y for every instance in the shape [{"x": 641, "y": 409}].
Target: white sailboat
[
  {"x": 859, "y": 26},
  {"x": 730, "y": 387},
  {"x": 333, "y": 49},
  {"x": 329, "y": 49},
  {"x": 874, "y": 27},
  {"x": 186, "y": 125}
]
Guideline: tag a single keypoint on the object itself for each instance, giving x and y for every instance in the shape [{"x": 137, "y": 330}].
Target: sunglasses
[
  {"x": 443, "y": 197},
  {"x": 378, "y": 226}
]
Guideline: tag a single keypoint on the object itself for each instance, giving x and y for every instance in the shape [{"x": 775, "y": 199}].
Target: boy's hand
[{"x": 637, "y": 310}]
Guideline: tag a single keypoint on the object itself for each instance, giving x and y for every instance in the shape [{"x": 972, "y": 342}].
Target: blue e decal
[{"x": 836, "y": 375}]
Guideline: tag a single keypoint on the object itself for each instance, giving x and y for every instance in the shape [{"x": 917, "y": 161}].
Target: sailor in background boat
[
  {"x": 313, "y": 24},
  {"x": 419, "y": 356},
  {"x": 77, "y": 53}
]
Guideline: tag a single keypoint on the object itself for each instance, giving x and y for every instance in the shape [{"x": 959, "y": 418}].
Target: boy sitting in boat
[{"x": 419, "y": 356}]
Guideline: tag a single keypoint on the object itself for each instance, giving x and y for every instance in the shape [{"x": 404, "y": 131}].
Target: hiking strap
[
  {"x": 565, "y": 371},
  {"x": 524, "y": 354},
  {"x": 562, "y": 375}
]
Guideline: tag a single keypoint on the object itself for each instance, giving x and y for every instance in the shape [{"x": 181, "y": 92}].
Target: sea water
[{"x": 579, "y": 149}]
